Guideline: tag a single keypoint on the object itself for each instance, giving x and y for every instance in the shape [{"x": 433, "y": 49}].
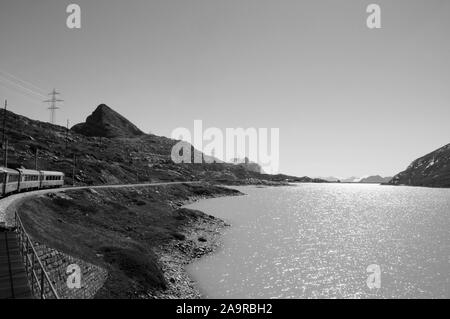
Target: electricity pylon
[{"x": 53, "y": 106}]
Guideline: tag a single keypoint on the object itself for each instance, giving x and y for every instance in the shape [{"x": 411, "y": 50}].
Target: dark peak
[
  {"x": 105, "y": 122},
  {"x": 103, "y": 108}
]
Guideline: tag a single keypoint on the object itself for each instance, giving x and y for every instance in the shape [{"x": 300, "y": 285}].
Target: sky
[{"x": 348, "y": 100}]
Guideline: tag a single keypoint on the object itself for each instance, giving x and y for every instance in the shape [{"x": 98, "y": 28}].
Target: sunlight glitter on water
[{"x": 316, "y": 241}]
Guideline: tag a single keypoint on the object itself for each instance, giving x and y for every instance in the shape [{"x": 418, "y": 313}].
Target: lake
[{"x": 318, "y": 240}]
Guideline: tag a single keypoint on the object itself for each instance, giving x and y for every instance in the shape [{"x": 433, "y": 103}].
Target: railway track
[{"x": 13, "y": 277}]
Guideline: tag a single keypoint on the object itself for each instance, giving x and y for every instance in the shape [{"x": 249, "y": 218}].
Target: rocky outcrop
[
  {"x": 432, "y": 170},
  {"x": 105, "y": 122}
]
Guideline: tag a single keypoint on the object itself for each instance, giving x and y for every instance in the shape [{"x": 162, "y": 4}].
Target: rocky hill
[
  {"x": 105, "y": 122},
  {"x": 108, "y": 149},
  {"x": 432, "y": 170}
]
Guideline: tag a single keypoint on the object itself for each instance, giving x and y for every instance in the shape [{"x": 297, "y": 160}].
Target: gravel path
[{"x": 9, "y": 204}]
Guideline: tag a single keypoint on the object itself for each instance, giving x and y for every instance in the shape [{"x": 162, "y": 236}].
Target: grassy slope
[{"x": 116, "y": 229}]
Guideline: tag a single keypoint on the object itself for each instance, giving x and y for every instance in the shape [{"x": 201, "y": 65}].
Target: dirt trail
[{"x": 9, "y": 204}]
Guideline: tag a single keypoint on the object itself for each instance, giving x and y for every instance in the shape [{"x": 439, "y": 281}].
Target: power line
[
  {"x": 21, "y": 86},
  {"x": 23, "y": 93},
  {"x": 53, "y": 106},
  {"x": 22, "y": 81}
]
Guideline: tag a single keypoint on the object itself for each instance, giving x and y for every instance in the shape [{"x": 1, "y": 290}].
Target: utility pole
[
  {"x": 67, "y": 133},
  {"x": 53, "y": 106},
  {"x": 4, "y": 123},
  {"x": 73, "y": 170},
  {"x": 36, "y": 159},
  {"x": 5, "y": 159}
]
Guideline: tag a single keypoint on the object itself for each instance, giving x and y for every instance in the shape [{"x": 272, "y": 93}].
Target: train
[{"x": 22, "y": 180}]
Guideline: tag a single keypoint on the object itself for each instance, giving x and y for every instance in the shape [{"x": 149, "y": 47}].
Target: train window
[
  {"x": 52, "y": 178},
  {"x": 13, "y": 178},
  {"x": 31, "y": 178}
]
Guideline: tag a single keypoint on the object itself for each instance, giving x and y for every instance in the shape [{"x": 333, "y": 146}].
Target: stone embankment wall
[{"x": 56, "y": 264}]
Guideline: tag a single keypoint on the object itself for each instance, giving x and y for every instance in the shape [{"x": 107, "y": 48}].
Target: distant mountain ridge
[
  {"x": 352, "y": 179},
  {"x": 432, "y": 170},
  {"x": 331, "y": 179},
  {"x": 375, "y": 179}
]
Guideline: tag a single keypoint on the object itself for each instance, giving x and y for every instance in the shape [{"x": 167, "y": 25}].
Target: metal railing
[{"x": 40, "y": 283}]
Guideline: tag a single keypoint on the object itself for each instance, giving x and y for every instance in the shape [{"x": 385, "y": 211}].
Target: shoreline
[
  {"x": 175, "y": 256},
  {"x": 202, "y": 238},
  {"x": 111, "y": 228},
  {"x": 118, "y": 225}
]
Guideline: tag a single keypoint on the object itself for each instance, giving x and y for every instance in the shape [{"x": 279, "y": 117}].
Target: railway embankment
[{"x": 130, "y": 242}]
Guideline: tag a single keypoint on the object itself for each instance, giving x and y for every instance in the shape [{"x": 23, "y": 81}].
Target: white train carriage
[
  {"x": 29, "y": 179},
  {"x": 51, "y": 179},
  {"x": 9, "y": 181}
]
